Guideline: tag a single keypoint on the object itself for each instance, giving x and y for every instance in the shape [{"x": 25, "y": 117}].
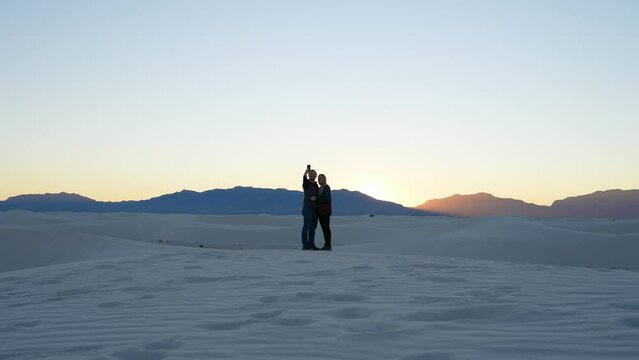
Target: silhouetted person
[
  {"x": 324, "y": 210},
  {"x": 309, "y": 210}
]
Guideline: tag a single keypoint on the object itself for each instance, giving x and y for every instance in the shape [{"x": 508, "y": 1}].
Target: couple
[{"x": 317, "y": 206}]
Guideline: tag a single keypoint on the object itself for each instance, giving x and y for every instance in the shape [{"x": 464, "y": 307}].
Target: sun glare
[{"x": 375, "y": 190}]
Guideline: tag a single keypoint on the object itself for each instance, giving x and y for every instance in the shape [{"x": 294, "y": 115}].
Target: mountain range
[
  {"x": 600, "y": 204},
  {"x": 248, "y": 200},
  {"x": 238, "y": 200}
]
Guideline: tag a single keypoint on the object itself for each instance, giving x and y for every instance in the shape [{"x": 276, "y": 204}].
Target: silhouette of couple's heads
[{"x": 321, "y": 178}]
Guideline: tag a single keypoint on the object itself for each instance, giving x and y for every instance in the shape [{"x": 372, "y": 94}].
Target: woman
[{"x": 324, "y": 210}]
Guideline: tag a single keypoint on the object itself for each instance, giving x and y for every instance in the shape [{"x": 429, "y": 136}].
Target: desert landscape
[
  {"x": 352, "y": 179},
  {"x": 149, "y": 286}
]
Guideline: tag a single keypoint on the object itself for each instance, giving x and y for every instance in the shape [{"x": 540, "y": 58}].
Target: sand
[{"x": 139, "y": 286}]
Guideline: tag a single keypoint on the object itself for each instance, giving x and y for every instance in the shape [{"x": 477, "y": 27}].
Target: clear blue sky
[{"x": 405, "y": 100}]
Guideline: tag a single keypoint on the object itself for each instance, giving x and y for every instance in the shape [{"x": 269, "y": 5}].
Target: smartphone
[{"x": 308, "y": 167}]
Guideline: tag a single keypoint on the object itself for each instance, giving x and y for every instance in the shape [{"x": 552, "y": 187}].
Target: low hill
[
  {"x": 601, "y": 204},
  {"x": 482, "y": 204},
  {"x": 238, "y": 200}
]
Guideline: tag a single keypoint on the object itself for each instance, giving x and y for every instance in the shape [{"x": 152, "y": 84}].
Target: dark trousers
[
  {"x": 325, "y": 222},
  {"x": 310, "y": 224}
]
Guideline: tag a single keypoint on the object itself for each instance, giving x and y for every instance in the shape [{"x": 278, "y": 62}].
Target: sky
[{"x": 403, "y": 100}]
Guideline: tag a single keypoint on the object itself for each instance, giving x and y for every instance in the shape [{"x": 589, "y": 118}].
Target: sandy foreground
[{"x": 139, "y": 286}]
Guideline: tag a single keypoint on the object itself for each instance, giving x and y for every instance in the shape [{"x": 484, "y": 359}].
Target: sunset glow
[{"x": 128, "y": 100}]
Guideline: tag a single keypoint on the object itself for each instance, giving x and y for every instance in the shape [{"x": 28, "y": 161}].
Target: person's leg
[
  {"x": 322, "y": 221},
  {"x": 311, "y": 232},
  {"x": 325, "y": 222},
  {"x": 305, "y": 229}
]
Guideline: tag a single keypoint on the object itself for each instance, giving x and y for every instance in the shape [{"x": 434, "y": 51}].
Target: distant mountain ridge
[
  {"x": 59, "y": 197},
  {"x": 601, "y": 204},
  {"x": 482, "y": 204},
  {"x": 606, "y": 204},
  {"x": 238, "y": 200},
  {"x": 249, "y": 200}
]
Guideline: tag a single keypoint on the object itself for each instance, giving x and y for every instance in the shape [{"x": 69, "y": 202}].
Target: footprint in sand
[
  {"x": 427, "y": 299},
  {"x": 630, "y": 321},
  {"x": 27, "y": 324},
  {"x": 168, "y": 344},
  {"x": 463, "y": 313},
  {"x": 344, "y": 297},
  {"x": 135, "y": 289},
  {"x": 193, "y": 267},
  {"x": 267, "y": 315},
  {"x": 627, "y": 305},
  {"x": 354, "y": 312},
  {"x": 362, "y": 281},
  {"x": 110, "y": 305},
  {"x": 47, "y": 281},
  {"x": 135, "y": 353},
  {"x": 368, "y": 286},
  {"x": 372, "y": 327},
  {"x": 17, "y": 305},
  {"x": 429, "y": 356},
  {"x": 490, "y": 293},
  {"x": 293, "y": 321},
  {"x": 209, "y": 279},
  {"x": 84, "y": 348},
  {"x": 202, "y": 279},
  {"x": 75, "y": 292},
  {"x": 444, "y": 279},
  {"x": 362, "y": 268},
  {"x": 297, "y": 282},
  {"x": 226, "y": 326},
  {"x": 307, "y": 295},
  {"x": 212, "y": 255},
  {"x": 69, "y": 293},
  {"x": 105, "y": 267},
  {"x": 270, "y": 299},
  {"x": 301, "y": 261}
]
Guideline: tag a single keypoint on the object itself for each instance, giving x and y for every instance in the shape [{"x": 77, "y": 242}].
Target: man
[{"x": 309, "y": 209}]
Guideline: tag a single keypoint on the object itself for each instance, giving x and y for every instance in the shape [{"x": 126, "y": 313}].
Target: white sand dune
[
  {"x": 111, "y": 286},
  {"x": 26, "y": 248},
  {"x": 517, "y": 240}
]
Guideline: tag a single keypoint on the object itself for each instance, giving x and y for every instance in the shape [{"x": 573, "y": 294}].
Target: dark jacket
[
  {"x": 324, "y": 206},
  {"x": 310, "y": 189}
]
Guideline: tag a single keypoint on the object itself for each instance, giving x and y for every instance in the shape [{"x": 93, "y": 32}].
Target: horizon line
[{"x": 361, "y": 192}]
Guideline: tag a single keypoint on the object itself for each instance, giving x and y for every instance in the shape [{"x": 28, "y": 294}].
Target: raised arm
[{"x": 304, "y": 177}]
